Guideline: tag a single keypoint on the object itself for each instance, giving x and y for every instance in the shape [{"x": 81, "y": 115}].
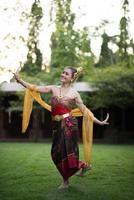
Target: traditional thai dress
[
  {"x": 65, "y": 152},
  {"x": 65, "y": 138}
]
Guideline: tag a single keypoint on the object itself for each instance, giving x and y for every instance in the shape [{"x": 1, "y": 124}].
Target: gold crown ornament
[{"x": 78, "y": 72}]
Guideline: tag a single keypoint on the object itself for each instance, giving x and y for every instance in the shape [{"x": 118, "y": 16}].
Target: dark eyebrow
[{"x": 65, "y": 72}]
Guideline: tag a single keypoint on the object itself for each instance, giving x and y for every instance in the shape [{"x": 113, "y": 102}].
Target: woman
[{"x": 65, "y": 152}]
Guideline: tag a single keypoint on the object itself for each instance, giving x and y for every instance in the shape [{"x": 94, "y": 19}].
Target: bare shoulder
[
  {"x": 77, "y": 97},
  {"x": 55, "y": 90},
  {"x": 75, "y": 92}
]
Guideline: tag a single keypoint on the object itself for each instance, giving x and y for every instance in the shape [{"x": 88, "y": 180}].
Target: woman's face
[{"x": 66, "y": 76}]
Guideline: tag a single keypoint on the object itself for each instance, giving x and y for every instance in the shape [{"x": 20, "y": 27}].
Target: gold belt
[{"x": 60, "y": 117}]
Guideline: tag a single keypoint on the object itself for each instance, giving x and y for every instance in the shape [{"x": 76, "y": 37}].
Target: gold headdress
[{"x": 78, "y": 72}]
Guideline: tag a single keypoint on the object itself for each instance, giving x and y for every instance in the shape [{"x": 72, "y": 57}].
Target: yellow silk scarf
[{"x": 87, "y": 125}]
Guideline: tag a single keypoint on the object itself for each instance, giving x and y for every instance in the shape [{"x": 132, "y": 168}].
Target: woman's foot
[
  {"x": 64, "y": 185},
  {"x": 84, "y": 170}
]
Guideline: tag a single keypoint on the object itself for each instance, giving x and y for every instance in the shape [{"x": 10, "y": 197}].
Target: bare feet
[
  {"x": 82, "y": 173},
  {"x": 64, "y": 185}
]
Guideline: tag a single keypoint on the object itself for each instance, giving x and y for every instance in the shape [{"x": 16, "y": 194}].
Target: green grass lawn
[{"x": 27, "y": 173}]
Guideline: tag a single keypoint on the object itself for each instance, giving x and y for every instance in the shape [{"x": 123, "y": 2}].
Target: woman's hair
[{"x": 76, "y": 72}]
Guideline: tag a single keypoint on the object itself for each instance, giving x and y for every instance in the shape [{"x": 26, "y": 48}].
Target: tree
[
  {"x": 114, "y": 87},
  {"x": 34, "y": 56},
  {"x": 67, "y": 44},
  {"x": 106, "y": 54},
  {"x": 63, "y": 39},
  {"x": 84, "y": 52},
  {"x": 124, "y": 39}
]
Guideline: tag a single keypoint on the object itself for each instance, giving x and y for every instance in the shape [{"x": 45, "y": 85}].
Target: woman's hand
[
  {"x": 16, "y": 77},
  {"x": 105, "y": 122},
  {"x": 21, "y": 81}
]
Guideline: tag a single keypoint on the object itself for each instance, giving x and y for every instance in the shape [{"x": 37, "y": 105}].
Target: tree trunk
[
  {"x": 2, "y": 130},
  {"x": 35, "y": 132}
]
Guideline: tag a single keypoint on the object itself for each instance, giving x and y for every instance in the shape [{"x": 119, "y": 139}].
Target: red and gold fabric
[{"x": 87, "y": 124}]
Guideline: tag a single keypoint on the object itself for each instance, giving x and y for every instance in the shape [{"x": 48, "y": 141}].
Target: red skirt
[{"x": 65, "y": 147}]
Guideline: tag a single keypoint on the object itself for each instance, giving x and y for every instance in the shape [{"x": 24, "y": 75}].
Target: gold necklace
[{"x": 62, "y": 95}]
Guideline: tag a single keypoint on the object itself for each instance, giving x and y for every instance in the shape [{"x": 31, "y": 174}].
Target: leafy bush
[{"x": 115, "y": 86}]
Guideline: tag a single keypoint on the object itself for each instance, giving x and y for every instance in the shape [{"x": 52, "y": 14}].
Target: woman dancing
[{"x": 65, "y": 150}]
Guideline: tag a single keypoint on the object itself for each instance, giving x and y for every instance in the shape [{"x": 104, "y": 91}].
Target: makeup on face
[{"x": 66, "y": 75}]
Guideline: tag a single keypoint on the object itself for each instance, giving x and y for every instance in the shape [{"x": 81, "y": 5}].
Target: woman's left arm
[
  {"x": 81, "y": 106},
  {"x": 104, "y": 122}
]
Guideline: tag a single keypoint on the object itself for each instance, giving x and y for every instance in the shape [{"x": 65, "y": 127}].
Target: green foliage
[
  {"x": 34, "y": 57},
  {"x": 123, "y": 41},
  {"x": 43, "y": 77},
  {"x": 11, "y": 101},
  {"x": 84, "y": 52},
  {"x": 64, "y": 38},
  {"x": 69, "y": 47},
  {"x": 113, "y": 83},
  {"x": 124, "y": 38},
  {"x": 16, "y": 104},
  {"x": 114, "y": 86},
  {"x": 106, "y": 55}
]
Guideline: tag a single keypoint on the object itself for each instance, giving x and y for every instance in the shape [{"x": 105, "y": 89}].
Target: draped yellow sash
[{"x": 87, "y": 124}]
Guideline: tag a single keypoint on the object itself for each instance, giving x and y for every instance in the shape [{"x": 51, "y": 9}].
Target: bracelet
[
  {"x": 18, "y": 80},
  {"x": 21, "y": 82}
]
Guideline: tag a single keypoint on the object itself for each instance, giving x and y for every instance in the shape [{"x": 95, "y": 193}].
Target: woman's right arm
[{"x": 42, "y": 89}]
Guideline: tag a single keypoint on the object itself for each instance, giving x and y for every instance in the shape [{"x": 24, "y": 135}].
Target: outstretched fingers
[{"x": 105, "y": 121}]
